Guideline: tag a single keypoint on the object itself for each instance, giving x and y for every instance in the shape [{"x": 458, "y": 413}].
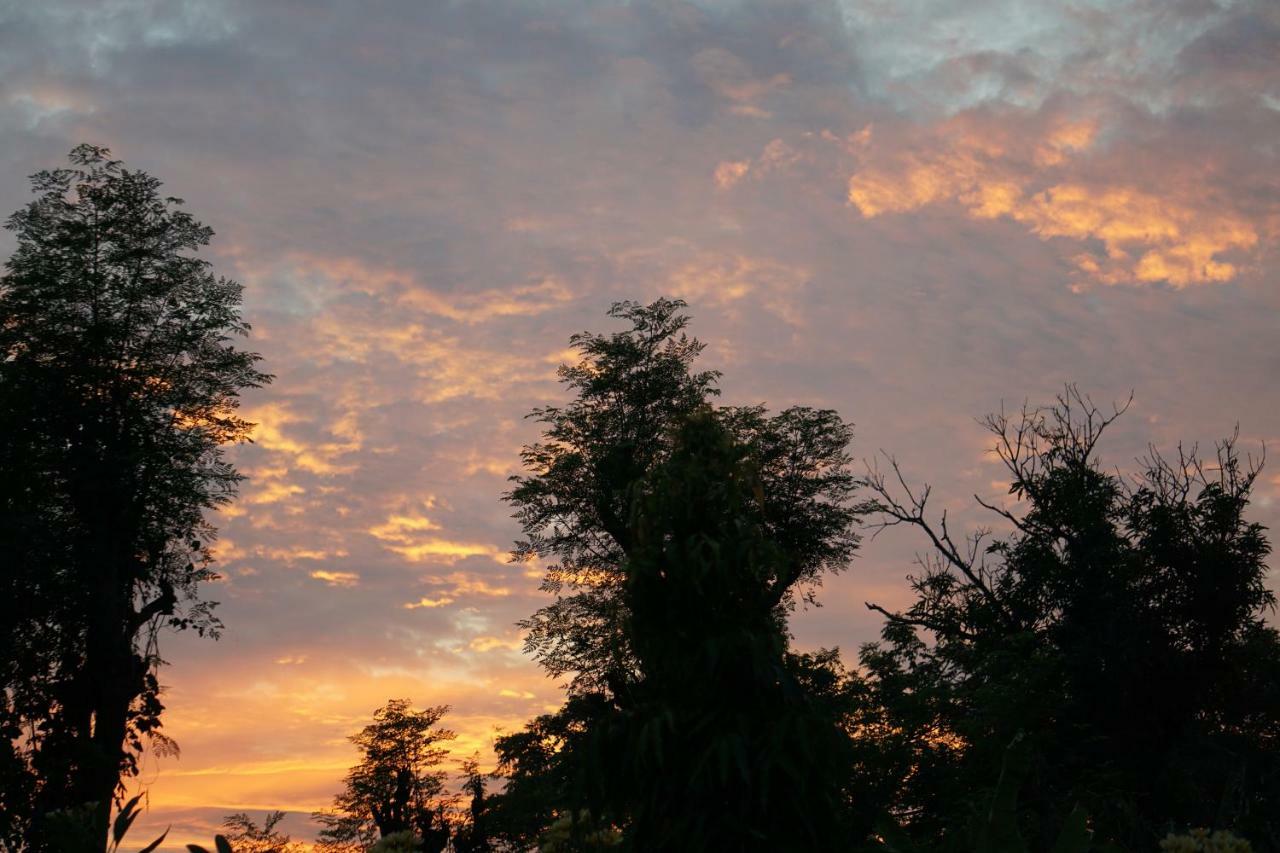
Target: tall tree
[
  {"x": 119, "y": 383},
  {"x": 720, "y": 747},
  {"x": 396, "y": 787},
  {"x": 632, "y": 391},
  {"x": 1117, "y": 633},
  {"x": 473, "y": 835}
]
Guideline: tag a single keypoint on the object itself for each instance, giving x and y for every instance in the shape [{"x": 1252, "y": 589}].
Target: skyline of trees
[{"x": 1100, "y": 673}]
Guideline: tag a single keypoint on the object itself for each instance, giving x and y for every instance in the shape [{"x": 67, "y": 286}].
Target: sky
[{"x": 910, "y": 211}]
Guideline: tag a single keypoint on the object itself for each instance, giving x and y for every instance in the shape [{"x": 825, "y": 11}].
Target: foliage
[
  {"x": 119, "y": 383},
  {"x": 1119, "y": 625},
  {"x": 578, "y": 833},
  {"x": 220, "y": 845},
  {"x": 395, "y": 788},
  {"x": 472, "y": 834},
  {"x": 404, "y": 841},
  {"x": 246, "y": 836},
  {"x": 542, "y": 774},
  {"x": 717, "y": 746},
  {"x": 632, "y": 391}
]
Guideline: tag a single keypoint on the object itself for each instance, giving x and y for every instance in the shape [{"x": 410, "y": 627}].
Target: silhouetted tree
[
  {"x": 1118, "y": 628},
  {"x": 632, "y": 391},
  {"x": 719, "y": 747},
  {"x": 541, "y": 776},
  {"x": 472, "y": 836},
  {"x": 395, "y": 788},
  {"x": 245, "y": 836},
  {"x": 119, "y": 382}
]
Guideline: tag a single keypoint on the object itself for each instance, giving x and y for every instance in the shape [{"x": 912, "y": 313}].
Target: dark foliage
[
  {"x": 1119, "y": 629},
  {"x": 718, "y": 746},
  {"x": 396, "y": 786},
  {"x": 119, "y": 382},
  {"x": 634, "y": 390},
  {"x": 246, "y": 836}
]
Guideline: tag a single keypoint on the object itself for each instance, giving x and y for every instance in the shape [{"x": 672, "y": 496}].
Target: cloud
[
  {"x": 878, "y": 207},
  {"x": 342, "y": 579},
  {"x": 1183, "y": 238}
]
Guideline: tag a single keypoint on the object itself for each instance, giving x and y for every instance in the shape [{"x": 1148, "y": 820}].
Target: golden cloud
[
  {"x": 344, "y": 579},
  {"x": 271, "y": 432},
  {"x": 1146, "y": 236},
  {"x": 402, "y": 533},
  {"x": 428, "y": 602}
]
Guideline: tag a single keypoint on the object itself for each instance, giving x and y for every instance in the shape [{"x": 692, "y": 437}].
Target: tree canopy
[
  {"x": 1118, "y": 628},
  {"x": 119, "y": 384},
  {"x": 396, "y": 787},
  {"x": 632, "y": 391}
]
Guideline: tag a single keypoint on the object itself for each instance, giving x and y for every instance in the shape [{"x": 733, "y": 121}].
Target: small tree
[
  {"x": 395, "y": 788},
  {"x": 246, "y": 836},
  {"x": 119, "y": 383},
  {"x": 473, "y": 835}
]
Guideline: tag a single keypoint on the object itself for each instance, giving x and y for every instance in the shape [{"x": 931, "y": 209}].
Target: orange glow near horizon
[{"x": 911, "y": 213}]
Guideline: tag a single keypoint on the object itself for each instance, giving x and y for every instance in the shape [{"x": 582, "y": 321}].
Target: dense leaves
[
  {"x": 396, "y": 787},
  {"x": 119, "y": 383},
  {"x": 634, "y": 392},
  {"x": 1119, "y": 628},
  {"x": 718, "y": 747}
]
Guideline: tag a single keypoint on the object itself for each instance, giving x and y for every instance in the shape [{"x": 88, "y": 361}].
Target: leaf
[
  {"x": 128, "y": 813},
  {"x": 222, "y": 844},
  {"x": 154, "y": 844},
  {"x": 196, "y": 848}
]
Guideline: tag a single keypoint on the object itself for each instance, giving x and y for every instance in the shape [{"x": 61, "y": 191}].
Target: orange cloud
[
  {"x": 428, "y": 602},
  {"x": 272, "y": 433},
  {"x": 402, "y": 533},
  {"x": 1146, "y": 237},
  {"x": 336, "y": 578}
]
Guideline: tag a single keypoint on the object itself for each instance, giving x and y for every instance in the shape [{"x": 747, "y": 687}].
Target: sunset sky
[{"x": 910, "y": 211}]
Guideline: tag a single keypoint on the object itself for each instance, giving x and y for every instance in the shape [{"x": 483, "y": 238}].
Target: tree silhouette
[
  {"x": 119, "y": 382},
  {"x": 395, "y": 788},
  {"x": 473, "y": 835},
  {"x": 719, "y": 748},
  {"x": 633, "y": 391},
  {"x": 246, "y": 836},
  {"x": 1118, "y": 628}
]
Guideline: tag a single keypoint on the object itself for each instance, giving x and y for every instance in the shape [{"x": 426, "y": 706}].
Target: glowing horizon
[{"x": 910, "y": 213}]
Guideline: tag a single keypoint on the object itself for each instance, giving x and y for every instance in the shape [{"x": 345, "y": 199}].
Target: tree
[
  {"x": 394, "y": 788},
  {"x": 119, "y": 384},
  {"x": 719, "y": 748},
  {"x": 1117, "y": 631},
  {"x": 245, "y": 836},
  {"x": 473, "y": 835},
  {"x": 541, "y": 771},
  {"x": 632, "y": 392}
]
